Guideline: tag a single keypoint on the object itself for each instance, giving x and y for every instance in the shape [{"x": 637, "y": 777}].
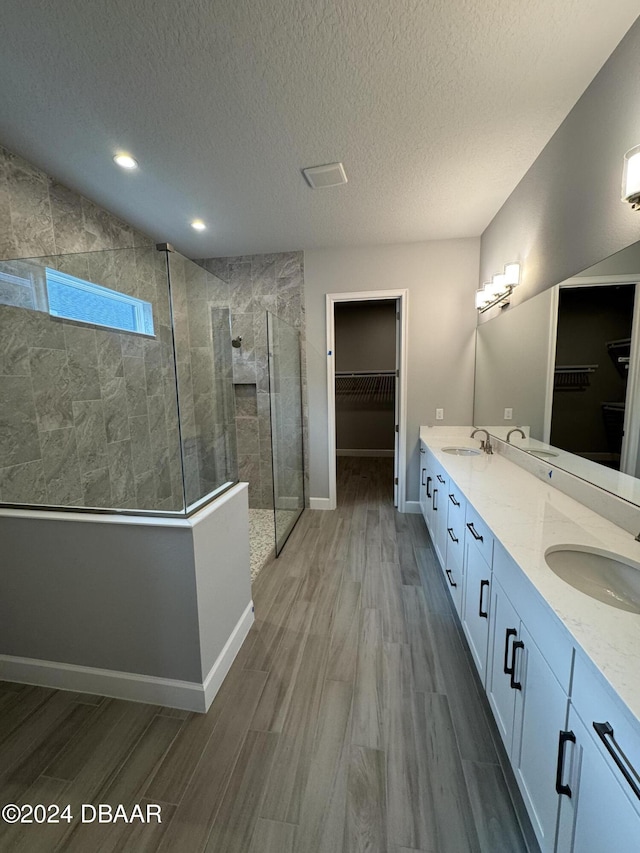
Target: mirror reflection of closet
[{"x": 593, "y": 344}]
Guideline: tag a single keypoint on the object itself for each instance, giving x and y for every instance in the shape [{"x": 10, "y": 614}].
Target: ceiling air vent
[{"x": 331, "y": 175}]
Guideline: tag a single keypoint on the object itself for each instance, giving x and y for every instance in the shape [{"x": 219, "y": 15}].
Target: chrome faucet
[
  {"x": 484, "y": 445},
  {"x": 511, "y": 432}
]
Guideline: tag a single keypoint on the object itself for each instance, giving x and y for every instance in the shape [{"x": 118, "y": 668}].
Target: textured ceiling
[{"x": 436, "y": 108}]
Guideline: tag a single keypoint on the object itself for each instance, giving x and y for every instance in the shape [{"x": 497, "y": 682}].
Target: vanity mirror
[{"x": 566, "y": 365}]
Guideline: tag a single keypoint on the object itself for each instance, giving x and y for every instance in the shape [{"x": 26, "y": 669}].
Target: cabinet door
[
  {"x": 476, "y": 607},
  {"x": 439, "y": 509},
  {"x": 423, "y": 480},
  {"x": 599, "y": 816},
  {"x": 504, "y": 632},
  {"x": 540, "y": 713}
]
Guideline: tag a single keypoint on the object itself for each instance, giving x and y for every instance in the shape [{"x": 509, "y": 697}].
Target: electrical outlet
[
  {"x": 439, "y": 414},
  {"x": 508, "y": 414}
]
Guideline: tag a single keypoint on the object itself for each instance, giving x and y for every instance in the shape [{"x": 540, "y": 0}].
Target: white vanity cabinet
[
  {"x": 528, "y": 695},
  {"x": 476, "y": 602},
  {"x": 423, "y": 479},
  {"x": 455, "y": 509},
  {"x": 598, "y": 773},
  {"x": 436, "y": 500}
]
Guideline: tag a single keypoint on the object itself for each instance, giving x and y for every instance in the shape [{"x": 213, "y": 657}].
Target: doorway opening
[{"x": 366, "y": 335}]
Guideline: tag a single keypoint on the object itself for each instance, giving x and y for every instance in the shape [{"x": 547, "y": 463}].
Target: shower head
[{"x": 236, "y": 342}]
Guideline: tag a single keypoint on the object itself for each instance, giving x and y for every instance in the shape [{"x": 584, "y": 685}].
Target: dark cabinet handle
[
  {"x": 451, "y": 534},
  {"x": 518, "y": 644},
  {"x": 435, "y": 508},
  {"x": 481, "y": 612},
  {"x": 511, "y": 632},
  {"x": 564, "y": 737},
  {"x": 453, "y": 500},
  {"x": 474, "y": 532},
  {"x": 605, "y": 733},
  {"x": 424, "y": 471},
  {"x": 451, "y": 580},
  {"x": 440, "y": 479},
  {"x": 422, "y": 450},
  {"x": 428, "y": 492}
]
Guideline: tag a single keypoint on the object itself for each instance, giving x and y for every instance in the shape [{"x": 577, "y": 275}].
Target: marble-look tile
[
  {"x": 196, "y": 281},
  {"x": 163, "y": 473},
  {"x": 132, "y": 345},
  {"x": 67, "y": 219},
  {"x": 246, "y": 401},
  {"x": 199, "y": 323},
  {"x": 8, "y": 243},
  {"x": 288, "y": 264},
  {"x": 14, "y": 345},
  {"x": 267, "y": 304},
  {"x": 247, "y": 437},
  {"x": 244, "y": 373},
  {"x": 82, "y": 361},
  {"x": 146, "y": 490},
  {"x": 91, "y": 434},
  {"x": 153, "y": 359},
  {"x": 157, "y": 422},
  {"x": 263, "y": 275},
  {"x": 96, "y": 488},
  {"x": 23, "y": 484},
  {"x": 116, "y": 418},
  {"x": 61, "y": 468},
  {"x": 135, "y": 385},
  {"x": 241, "y": 288},
  {"x": 242, "y": 326},
  {"x": 192, "y": 487},
  {"x": 109, "y": 350},
  {"x": 123, "y": 485},
  {"x": 218, "y": 267},
  {"x": 19, "y": 440},
  {"x": 102, "y": 229},
  {"x": 30, "y": 209},
  {"x": 51, "y": 388},
  {"x": 141, "y": 448}
]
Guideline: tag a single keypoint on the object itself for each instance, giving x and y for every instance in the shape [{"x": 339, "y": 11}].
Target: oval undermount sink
[
  {"x": 461, "y": 451},
  {"x": 602, "y": 575},
  {"x": 542, "y": 453}
]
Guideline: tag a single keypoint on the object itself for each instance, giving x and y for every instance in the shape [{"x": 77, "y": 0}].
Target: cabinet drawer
[
  {"x": 596, "y": 702},
  {"x": 456, "y": 505},
  {"x": 482, "y": 536}
]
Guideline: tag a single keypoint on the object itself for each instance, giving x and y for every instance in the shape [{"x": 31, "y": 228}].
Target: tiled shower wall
[
  {"x": 89, "y": 415},
  {"x": 257, "y": 284}
]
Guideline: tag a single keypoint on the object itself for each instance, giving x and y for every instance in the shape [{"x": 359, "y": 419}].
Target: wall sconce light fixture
[
  {"x": 498, "y": 290},
  {"x": 631, "y": 177}
]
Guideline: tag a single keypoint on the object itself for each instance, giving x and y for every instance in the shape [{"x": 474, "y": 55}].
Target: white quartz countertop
[{"x": 528, "y": 517}]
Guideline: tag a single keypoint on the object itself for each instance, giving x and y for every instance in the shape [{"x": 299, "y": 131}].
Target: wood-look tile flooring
[{"x": 350, "y": 720}]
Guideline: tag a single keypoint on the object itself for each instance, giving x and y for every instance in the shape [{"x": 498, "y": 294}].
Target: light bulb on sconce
[
  {"x": 631, "y": 177},
  {"x": 498, "y": 290}
]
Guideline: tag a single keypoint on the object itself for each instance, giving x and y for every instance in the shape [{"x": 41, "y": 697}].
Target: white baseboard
[
  {"x": 172, "y": 693},
  {"x": 372, "y": 452},
  {"x": 320, "y": 503},
  {"x": 413, "y": 507},
  {"x": 221, "y": 667}
]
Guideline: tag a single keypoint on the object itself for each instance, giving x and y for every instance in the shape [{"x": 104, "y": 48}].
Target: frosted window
[{"x": 74, "y": 299}]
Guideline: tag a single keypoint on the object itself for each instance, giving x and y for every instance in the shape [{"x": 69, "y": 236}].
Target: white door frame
[{"x": 402, "y": 297}]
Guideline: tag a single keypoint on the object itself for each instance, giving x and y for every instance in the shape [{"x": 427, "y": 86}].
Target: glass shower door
[{"x": 285, "y": 396}]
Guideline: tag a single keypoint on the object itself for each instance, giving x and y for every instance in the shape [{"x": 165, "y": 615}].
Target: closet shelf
[{"x": 365, "y": 387}]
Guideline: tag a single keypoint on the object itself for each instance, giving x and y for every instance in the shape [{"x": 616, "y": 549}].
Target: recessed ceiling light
[
  {"x": 198, "y": 224},
  {"x": 125, "y": 161}
]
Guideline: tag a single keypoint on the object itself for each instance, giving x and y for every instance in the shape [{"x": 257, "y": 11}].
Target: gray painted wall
[
  {"x": 440, "y": 277},
  {"x": 566, "y": 213}
]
